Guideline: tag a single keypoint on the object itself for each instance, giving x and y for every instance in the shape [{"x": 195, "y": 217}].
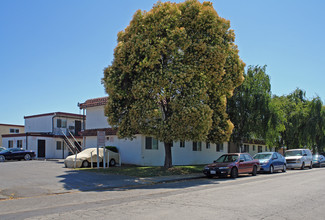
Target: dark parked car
[
  {"x": 232, "y": 164},
  {"x": 16, "y": 154},
  {"x": 318, "y": 160},
  {"x": 271, "y": 161}
]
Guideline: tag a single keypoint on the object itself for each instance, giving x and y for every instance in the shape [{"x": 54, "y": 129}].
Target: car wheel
[
  {"x": 85, "y": 163},
  {"x": 271, "y": 169},
  {"x": 112, "y": 163},
  {"x": 2, "y": 158},
  {"x": 284, "y": 168},
  {"x": 254, "y": 171},
  {"x": 302, "y": 166},
  {"x": 27, "y": 157},
  {"x": 234, "y": 172},
  {"x": 311, "y": 165}
]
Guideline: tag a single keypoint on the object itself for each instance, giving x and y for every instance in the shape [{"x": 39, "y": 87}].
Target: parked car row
[{"x": 233, "y": 164}]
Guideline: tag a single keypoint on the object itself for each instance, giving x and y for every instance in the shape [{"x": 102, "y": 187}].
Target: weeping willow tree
[{"x": 174, "y": 68}]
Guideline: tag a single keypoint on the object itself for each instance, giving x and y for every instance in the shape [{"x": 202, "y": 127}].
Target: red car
[{"x": 232, "y": 164}]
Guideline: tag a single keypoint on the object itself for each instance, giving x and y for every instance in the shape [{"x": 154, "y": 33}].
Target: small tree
[{"x": 173, "y": 69}]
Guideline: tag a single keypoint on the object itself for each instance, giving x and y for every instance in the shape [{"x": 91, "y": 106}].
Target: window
[
  {"x": 17, "y": 131},
  {"x": 248, "y": 157},
  {"x": 151, "y": 143},
  {"x": 58, "y": 123},
  {"x": 61, "y": 123},
  {"x": 207, "y": 145},
  {"x": 64, "y": 123},
  {"x": 197, "y": 146},
  {"x": 59, "y": 145},
  {"x": 10, "y": 144},
  {"x": 245, "y": 149},
  {"x": 182, "y": 144},
  {"x": 254, "y": 147},
  {"x": 219, "y": 147},
  {"x": 12, "y": 130},
  {"x": 19, "y": 143},
  {"x": 260, "y": 149}
]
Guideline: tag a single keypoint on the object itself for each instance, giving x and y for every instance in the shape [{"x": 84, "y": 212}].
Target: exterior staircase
[{"x": 73, "y": 148}]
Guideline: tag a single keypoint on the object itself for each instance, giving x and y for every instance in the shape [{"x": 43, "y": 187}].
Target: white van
[{"x": 299, "y": 158}]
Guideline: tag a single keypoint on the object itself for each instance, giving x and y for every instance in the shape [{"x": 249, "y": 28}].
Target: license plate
[{"x": 212, "y": 172}]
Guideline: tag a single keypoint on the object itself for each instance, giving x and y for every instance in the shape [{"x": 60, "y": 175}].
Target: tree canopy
[
  {"x": 249, "y": 109},
  {"x": 174, "y": 68}
]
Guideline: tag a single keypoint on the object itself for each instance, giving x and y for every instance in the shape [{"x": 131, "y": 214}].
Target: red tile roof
[{"x": 93, "y": 102}]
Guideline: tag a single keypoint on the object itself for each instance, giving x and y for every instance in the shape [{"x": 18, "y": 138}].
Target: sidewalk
[{"x": 173, "y": 178}]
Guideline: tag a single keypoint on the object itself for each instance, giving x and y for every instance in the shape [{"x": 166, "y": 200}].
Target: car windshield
[
  {"x": 262, "y": 156},
  {"x": 293, "y": 153},
  {"x": 316, "y": 156},
  {"x": 5, "y": 151},
  {"x": 227, "y": 158}
]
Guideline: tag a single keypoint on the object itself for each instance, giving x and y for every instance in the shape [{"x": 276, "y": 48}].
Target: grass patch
[{"x": 136, "y": 171}]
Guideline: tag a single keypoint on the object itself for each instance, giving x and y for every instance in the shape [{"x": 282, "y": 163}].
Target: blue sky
[{"x": 53, "y": 52}]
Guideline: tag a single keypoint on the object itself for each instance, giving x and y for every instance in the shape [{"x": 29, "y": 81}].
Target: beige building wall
[{"x": 10, "y": 129}]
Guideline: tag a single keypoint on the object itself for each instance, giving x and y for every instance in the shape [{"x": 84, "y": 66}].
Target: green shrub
[{"x": 112, "y": 148}]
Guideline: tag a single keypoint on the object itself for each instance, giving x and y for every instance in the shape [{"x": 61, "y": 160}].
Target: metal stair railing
[
  {"x": 71, "y": 147},
  {"x": 79, "y": 148}
]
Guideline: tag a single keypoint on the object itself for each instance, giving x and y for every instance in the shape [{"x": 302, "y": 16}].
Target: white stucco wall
[
  {"x": 14, "y": 139},
  {"x": 182, "y": 156},
  {"x": 134, "y": 152},
  {"x": 50, "y": 147},
  {"x": 39, "y": 124},
  {"x": 130, "y": 151},
  {"x": 95, "y": 118}
]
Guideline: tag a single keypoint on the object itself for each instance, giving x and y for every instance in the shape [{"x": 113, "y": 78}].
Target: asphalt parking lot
[{"x": 20, "y": 179}]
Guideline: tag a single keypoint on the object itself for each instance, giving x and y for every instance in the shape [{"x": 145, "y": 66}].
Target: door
[
  {"x": 41, "y": 148},
  {"x": 77, "y": 127}
]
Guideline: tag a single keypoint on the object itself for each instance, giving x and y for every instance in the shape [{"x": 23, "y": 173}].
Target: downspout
[{"x": 26, "y": 141}]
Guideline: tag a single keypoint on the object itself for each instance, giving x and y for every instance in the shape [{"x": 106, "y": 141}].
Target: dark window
[
  {"x": 219, "y": 147},
  {"x": 59, "y": 123},
  {"x": 245, "y": 149},
  {"x": 207, "y": 145},
  {"x": 12, "y": 130},
  {"x": 254, "y": 147},
  {"x": 17, "y": 131},
  {"x": 197, "y": 146},
  {"x": 10, "y": 144},
  {"x": 260, "y": 149},
  {"x": 19, "y": 143},
  {"x": 182, "y": 144},
  {"x": 151, "y": 143},
  {"x": 59, "y": 145}
]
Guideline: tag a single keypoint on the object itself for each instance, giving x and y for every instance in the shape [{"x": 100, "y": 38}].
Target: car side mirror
[
  {"x": 241, "y": 161},
  {"x": 214, "y": 161},
  {"x": 305, "y": 155}
]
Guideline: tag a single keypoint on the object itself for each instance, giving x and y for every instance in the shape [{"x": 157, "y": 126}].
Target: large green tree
[
  {"x": 249, "y": 109},
  {"x": 173, "y": 69}
]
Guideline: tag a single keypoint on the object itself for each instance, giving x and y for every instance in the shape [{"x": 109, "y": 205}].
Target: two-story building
[
  {"x": 143, "y": 150},
  {"x": 50, "y": 135}
]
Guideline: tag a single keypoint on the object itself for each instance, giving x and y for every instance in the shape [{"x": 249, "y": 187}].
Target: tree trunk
[{"x": 168, "y": 155}]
